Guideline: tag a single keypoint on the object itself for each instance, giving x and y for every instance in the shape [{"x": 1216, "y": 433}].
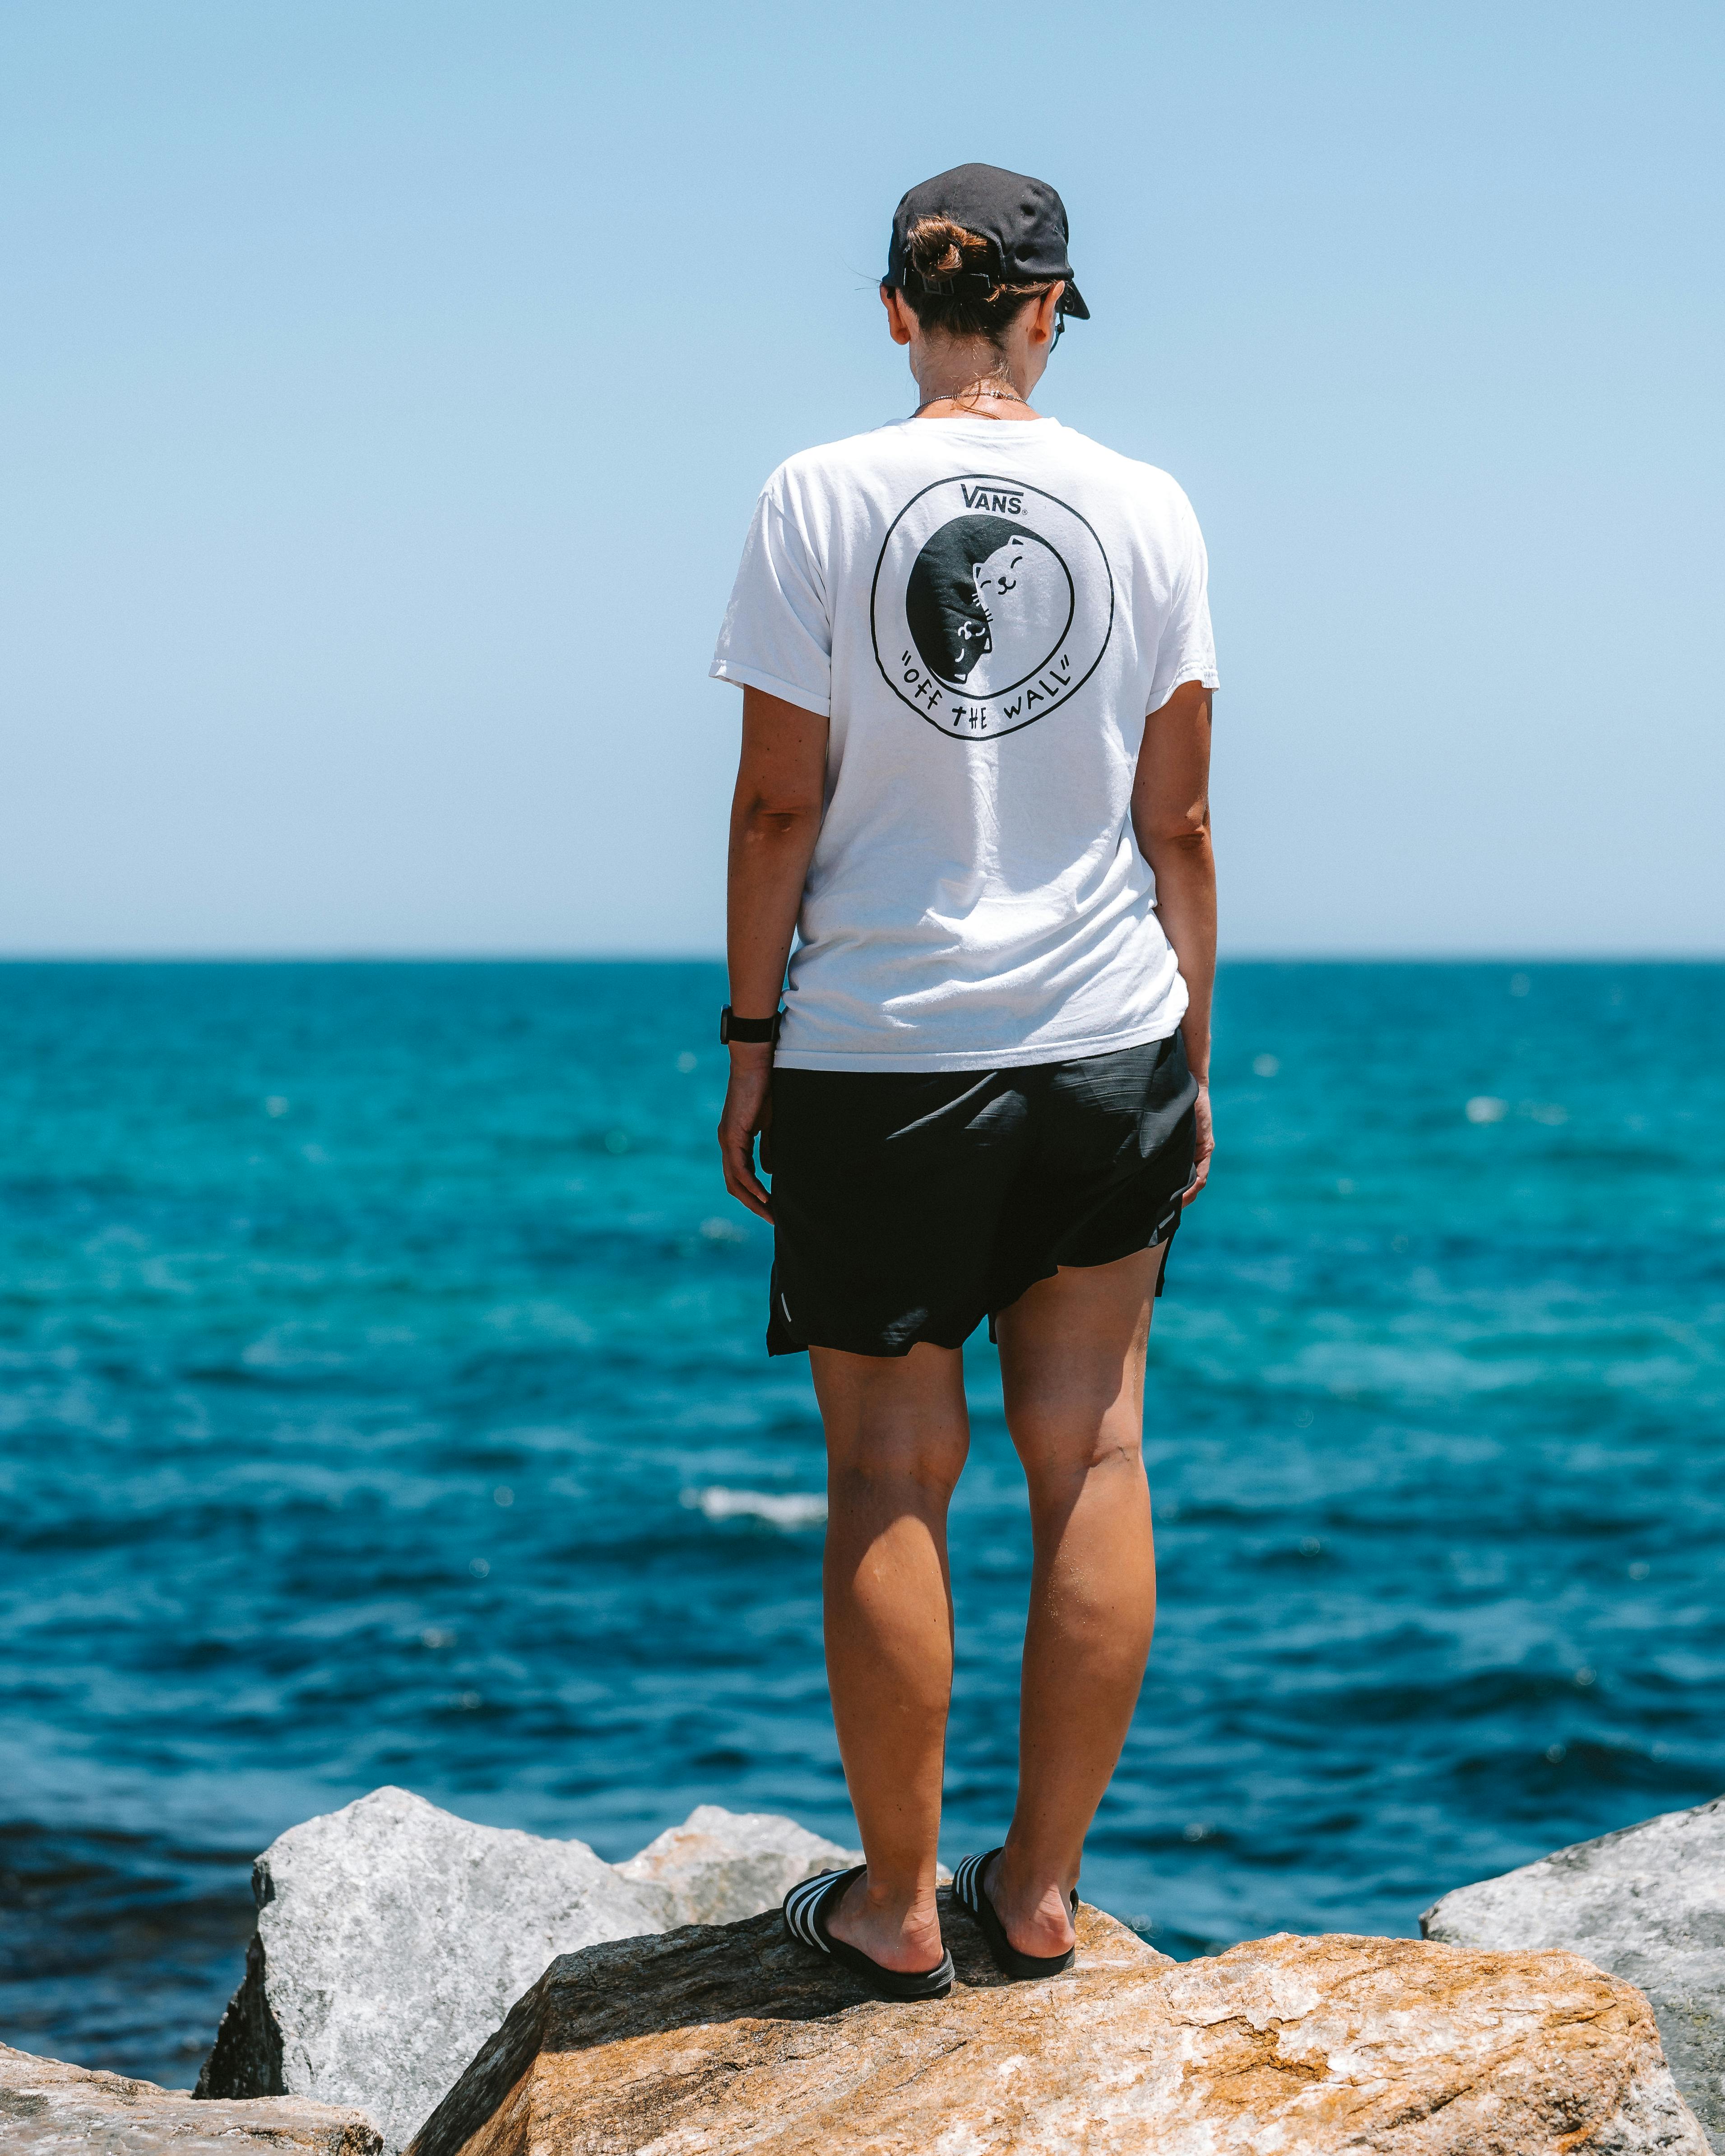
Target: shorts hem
[
  {"x": 779, "y": 1342},
  {"x": 1161, "y": 1234}
]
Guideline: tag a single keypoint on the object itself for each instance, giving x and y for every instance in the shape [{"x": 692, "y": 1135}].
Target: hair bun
[{"x": 939, "y": 247}]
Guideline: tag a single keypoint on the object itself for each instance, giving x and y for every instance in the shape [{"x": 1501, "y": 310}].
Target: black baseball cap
[{"x": 1023, "y": 220}]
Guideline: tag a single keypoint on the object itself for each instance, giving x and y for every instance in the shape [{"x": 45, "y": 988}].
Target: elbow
[
  {"x": 1187, "y": 840},
  {"x": 778, "y": 817}
]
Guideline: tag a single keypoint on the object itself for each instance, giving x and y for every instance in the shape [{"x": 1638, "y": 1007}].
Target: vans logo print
[
  {"x": 1002, "y": 503},
  {"x": 992, "y": 605}
]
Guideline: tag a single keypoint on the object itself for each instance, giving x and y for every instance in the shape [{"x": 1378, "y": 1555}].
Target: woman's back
[{"x": 986, "y": 610}]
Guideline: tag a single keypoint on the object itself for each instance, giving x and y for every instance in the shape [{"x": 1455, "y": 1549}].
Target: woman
[{"x": 986, "y": 1095}]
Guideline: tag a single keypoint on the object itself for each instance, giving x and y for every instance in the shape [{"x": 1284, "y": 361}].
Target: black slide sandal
[
  {"x": 967, "y": 1893},
  {"x": 806, "y": 1909}
]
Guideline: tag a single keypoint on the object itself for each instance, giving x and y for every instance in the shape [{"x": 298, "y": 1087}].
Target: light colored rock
[
  {"x": 1648, "y": 1904},
  {"x": 715, "y": 2042},
  {"x": 719, "y": 1866},
  {"x": 391, "y": 1939},
  {"x": 50, "y": 2109}
]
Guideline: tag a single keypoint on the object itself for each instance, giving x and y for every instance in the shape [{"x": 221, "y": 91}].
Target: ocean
[{"x": 383, "y": 1399}]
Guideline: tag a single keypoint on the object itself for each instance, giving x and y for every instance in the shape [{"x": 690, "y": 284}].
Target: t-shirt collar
[{"x": 993, "y": 430}]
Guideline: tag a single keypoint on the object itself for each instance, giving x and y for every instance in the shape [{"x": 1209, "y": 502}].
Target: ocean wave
[{"x": 789, "y": 1509}]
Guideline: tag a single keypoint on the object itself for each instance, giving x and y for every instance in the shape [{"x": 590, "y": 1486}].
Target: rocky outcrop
[
  {"x": 392, "y": 1940},
  {"x": 717, "y": 2040},
  {"x": 499, "y": 1992},
  {"x": 1648, "y": 1904},
  {"x": 48, "y": 2109},
  {"x": 719, "y": 1866}
]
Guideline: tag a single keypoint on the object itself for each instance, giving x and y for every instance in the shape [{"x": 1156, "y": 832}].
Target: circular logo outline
[{"x": 1015, "y": 486}]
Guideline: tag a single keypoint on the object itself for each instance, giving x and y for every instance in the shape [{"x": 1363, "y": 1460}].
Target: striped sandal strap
[
  {"x": 803, "y": 1904},
  {"x": 969, "y": 1892},
  {"x": 807, "y": 1907},
  {"x": 967, "y": 1880}
]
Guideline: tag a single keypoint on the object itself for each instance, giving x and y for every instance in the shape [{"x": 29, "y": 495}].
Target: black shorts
[{"x": 910, "y": 1205}]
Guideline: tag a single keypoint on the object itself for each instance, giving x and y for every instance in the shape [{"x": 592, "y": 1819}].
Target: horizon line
[{"x": 504, "y": 957}]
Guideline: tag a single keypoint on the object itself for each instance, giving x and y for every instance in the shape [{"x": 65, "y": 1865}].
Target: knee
[
  {"x": 1063, "y": 1462},
  {"x": 1065, "y": 1437},
  {"x": 922, "y": 1473}
]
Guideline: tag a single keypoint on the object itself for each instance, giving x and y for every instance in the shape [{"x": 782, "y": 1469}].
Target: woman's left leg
[{"x": 897, "y": 1433}]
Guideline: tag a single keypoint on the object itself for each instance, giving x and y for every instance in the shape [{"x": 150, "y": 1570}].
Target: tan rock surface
[
  {"x": 717, "y": 2040},
  {"x": 48, "y": 2108},
  {"x": 1646, "y": 1904}
]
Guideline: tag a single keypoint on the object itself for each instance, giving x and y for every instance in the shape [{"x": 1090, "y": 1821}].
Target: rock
[
  {"x": 392, "y": 1940},
  {"x": 47, "y": 2108},
  {"x": 719, "y": 2040},
  {"x": 721, "y": 1866},
  {"x": 1648, "y": 1904}
]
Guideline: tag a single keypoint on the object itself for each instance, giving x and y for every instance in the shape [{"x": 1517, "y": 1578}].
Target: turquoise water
[{"x": 383, "y": 1400}]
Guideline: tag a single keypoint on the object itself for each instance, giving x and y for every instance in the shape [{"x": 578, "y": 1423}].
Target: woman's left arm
[
  {"x": 1171, "y": 817},
  {"x": 775, "y": 821}
]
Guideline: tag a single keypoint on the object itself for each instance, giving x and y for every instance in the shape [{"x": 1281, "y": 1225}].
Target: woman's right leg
[
  {"x": 897, "y": 1433},
  {"x": 1072, "y": 1367}
]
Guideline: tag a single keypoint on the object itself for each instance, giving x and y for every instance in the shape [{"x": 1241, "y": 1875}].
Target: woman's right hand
[
  {"x": 1206, "y": 1146},
  {"x": 748, "y": 1110}
]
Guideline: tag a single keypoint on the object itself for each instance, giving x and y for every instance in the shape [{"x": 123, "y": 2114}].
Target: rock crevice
[{"x": 245, "y": 2059}]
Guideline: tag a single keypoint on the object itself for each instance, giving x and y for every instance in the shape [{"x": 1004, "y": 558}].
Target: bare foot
[
  {"x": 899, "y": 1934},
  {"x": 1036, "y": 1919}
]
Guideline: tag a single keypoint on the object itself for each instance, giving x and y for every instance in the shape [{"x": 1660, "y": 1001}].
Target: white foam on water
[{"x": 793, "y": 1509}]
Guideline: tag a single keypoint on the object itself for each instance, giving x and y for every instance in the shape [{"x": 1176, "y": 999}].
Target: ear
[
  {"x": 1042, "y": 322},
  {"x": 899, "y": 321}
]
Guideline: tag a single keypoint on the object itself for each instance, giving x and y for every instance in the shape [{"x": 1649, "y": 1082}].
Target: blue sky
[{"x": 387, "y": 386}]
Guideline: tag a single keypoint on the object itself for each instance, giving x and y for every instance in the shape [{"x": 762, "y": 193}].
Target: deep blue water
[{"x": 374, "y": 1341}]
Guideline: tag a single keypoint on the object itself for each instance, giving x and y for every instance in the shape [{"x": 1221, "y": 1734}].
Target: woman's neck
[
  {"x": 976, "y": 403},
  {"x": 970, "y": 385}
]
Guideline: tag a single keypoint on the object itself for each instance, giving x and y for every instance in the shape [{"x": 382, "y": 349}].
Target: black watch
[{"x": 732, "y": 1028}]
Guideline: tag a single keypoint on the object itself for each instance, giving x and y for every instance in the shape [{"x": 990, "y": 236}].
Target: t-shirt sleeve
[
  {"x": 1186, "y": 650},
  {"x": 777, "y": 635}
]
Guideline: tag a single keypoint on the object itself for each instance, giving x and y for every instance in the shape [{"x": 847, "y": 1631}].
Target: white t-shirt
[{"x": 987, "y": 610}]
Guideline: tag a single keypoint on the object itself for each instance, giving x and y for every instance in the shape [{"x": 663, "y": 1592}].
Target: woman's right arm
[{"x": 775, "y": 821}]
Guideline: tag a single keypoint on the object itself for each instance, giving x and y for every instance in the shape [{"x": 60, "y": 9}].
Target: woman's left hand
[{"x": 748, "y": 1109}]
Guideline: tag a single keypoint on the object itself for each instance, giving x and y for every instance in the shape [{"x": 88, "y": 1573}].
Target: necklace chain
[{"x": 971, "y": 389}]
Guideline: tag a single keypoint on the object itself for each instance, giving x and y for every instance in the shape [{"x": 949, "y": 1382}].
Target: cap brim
[{"x": 1072, "y": 303}]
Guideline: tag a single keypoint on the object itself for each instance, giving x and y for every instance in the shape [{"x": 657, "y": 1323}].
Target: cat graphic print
[{"x": 993, "y": 602}]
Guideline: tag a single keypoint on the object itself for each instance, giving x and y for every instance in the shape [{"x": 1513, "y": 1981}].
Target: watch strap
[{"x": 762, "y": 1029}]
